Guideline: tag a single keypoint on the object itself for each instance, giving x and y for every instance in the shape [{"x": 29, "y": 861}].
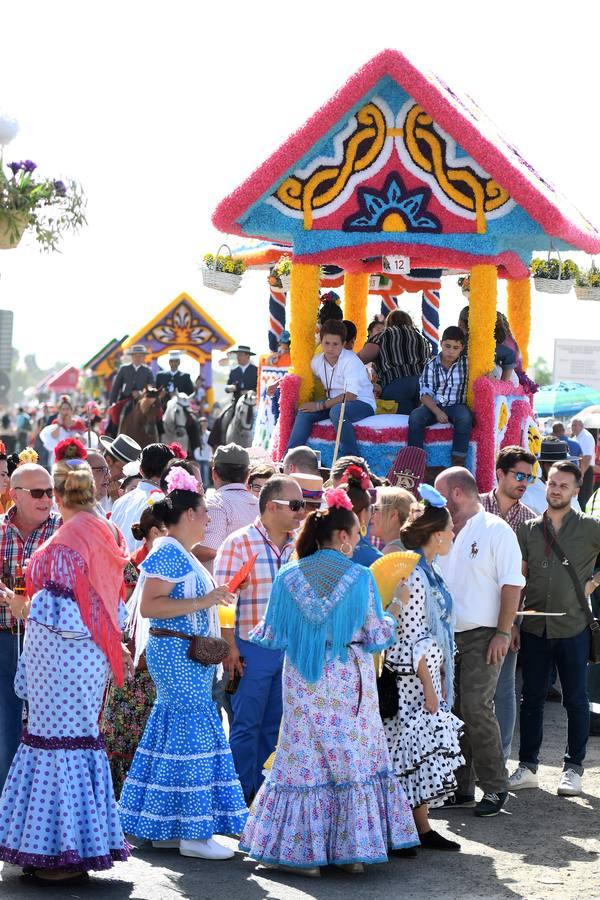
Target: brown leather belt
[{"x": 166, "y": 632}]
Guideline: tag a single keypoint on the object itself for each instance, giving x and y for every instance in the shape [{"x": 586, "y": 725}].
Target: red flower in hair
[
  {"x": 359, "y": 475},
  {"x": 70, "y": 448},
  {"x": 178, "y": 450}
]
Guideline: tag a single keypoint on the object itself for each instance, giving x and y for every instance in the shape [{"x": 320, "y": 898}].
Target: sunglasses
[
  {"x": 37, "y": 493},
  {"x": 521, "y": 477},
  {"x": 294, "y": 505}
]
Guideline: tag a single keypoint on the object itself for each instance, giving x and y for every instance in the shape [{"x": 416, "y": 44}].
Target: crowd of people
[{"x": 200, "y": 645}]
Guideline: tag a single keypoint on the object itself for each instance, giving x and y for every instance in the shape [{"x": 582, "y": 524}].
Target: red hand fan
[{"x": 240, "y": 577}]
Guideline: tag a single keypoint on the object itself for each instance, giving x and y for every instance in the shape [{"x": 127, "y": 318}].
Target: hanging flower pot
[
  {"x": 464, "y": 283},
  {"x": 222, "y": 273},
  {"x": 12, "y": 228},
  {"x": 286, "y": 282},
  {"x": 588, "y": 283},
  {"x": 553, "y": 276}
]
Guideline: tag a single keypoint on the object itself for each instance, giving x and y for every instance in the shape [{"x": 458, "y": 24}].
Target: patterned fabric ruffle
[
  {"x": 70, "y": 861},
  {"x": 329, "y": 824},
  {"x": 62, "y": 743}
]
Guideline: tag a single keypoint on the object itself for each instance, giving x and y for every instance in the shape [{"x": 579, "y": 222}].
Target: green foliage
[
  {"x": 464, "y": 282},
  {"x": 542, "y": 374},
  {"x": 589, "y": 277},
  {"x": 548, "y": 268},
  {"x": 283, "y": 267},
  {"x": 228, "y": 264}
]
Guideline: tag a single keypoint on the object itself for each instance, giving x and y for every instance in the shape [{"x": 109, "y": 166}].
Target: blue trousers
[
  {"x": 420, "y": 418},
  {"x": 571, "y": 658},
  {"x": 257, "y": 709},
  {"x": 505, "y": 702},
  {"x": 11, "y": 707},
  {"x": 405, "y": 391},
  {"x": 355, "y": 411}
]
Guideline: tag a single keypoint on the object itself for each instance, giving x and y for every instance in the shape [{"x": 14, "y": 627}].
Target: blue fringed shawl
[
  {"x": 317, "y": 605},
  {"x": 439, "y": 613}
]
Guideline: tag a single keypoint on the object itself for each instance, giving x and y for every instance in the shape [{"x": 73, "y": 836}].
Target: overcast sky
[{"x": 161, "y": 109}]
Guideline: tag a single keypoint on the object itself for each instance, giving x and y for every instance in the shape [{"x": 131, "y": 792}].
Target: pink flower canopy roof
[{"x": 397, "y": 163}]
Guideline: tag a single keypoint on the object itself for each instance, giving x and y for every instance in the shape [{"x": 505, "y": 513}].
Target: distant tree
[
  {"x": 27, "y": 374},
  {"x": 542, "y": 373}
]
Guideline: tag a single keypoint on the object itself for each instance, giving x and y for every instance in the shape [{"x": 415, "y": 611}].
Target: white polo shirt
[
  {"x": 349, "y": 374},
  {"x": 485, "y": 556},
  {"x": 586, "y": 441}
]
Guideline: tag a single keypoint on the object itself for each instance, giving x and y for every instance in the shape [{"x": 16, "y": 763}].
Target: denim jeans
[
  {"x": 11, "y": 707},
  {"x": 571, "y": 657},
  {"x": 420, "y": 418},
  {"x": 355, "y": 411},
  {"x": 405, "y": 391},
  {"x": 505, "y": 702}
]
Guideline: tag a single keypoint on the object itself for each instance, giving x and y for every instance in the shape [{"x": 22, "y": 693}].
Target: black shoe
[
  {"x": 491, "y": 804},
  {"x": 431, "y": 840},
  {"x": 405, "y": 852},
  {"x": 459, "y": 801}
]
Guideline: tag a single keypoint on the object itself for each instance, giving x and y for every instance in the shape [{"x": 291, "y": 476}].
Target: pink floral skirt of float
[{"x": 330, "y": 797}]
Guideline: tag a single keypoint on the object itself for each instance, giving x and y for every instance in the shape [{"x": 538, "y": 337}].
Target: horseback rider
[
  {"x": 130, "y": 381},
  {"x": 174, "y": 381},
  {"x": 244, "y": 376}
]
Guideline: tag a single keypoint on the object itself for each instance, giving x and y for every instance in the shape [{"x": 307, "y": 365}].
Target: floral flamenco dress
[
  {"x": 182, "y": 783},
  {"x": 58, "y": 810},
  {"x": 330, "y": 797},
  {"x": 424, "y": 747}
]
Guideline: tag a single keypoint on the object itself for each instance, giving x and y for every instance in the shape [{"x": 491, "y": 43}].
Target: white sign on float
[
  {"x": 395, "y": 265},
  {"x": 577, "y": 360}
]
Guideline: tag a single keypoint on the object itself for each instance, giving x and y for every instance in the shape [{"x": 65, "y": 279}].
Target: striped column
[
  {"x": 277, "y": 298},
  {"x": 430, "y": 317},
  {"x": 388, "y": 304}
]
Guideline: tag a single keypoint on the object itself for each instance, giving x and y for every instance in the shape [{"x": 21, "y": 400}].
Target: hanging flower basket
[
  {"x": 286, "y": 282},
  {"x": 587, "y": 293},
  {"x": 219, "y": 272},
  {"x": 12, "y": 229},
  {"x": 553, "y": 285},
  {"x": 552, "y": 276}
]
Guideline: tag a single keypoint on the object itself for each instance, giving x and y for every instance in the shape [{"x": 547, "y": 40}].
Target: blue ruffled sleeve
[
  {"x": 167, "y": 562},
  {"x": 379, "y": 628}
]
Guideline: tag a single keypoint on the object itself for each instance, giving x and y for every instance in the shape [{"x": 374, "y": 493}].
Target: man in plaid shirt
[
  {"x": 24, "y": 528},
  {"x": 257, "y": 704},
  {"x": 514, "y": 471}
]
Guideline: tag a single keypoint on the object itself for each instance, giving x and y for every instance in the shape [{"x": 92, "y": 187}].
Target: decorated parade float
[{"x": 395, "y": 182}]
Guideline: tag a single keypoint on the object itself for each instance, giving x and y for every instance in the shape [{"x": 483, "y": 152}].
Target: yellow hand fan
[{"x": 391, "y": 568}]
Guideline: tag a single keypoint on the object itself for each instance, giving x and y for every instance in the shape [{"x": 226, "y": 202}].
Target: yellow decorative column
[
  {"x": 482, "y": 323},
  {"x": 518, "y": 293},
  {"x": 304, "y": 307},
  {"x": 356, "y": 295}
]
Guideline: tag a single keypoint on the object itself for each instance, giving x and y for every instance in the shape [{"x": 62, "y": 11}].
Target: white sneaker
[
  {"x": 166, "y": 845},
  {"x": 523, "y": 778},
  {"x": 569, "y": 784},
  {"x": 209, "y": 849}
]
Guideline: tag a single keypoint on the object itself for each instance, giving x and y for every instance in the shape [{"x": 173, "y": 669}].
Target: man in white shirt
[
  {"x": 586, "y": 441},
  {"x": 128, "y": 508},
  {"x": 343, "y": 375},
  {"x": 483, "y": 572}
]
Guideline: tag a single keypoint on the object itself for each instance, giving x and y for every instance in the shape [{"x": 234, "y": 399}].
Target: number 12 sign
[{"x": 395, "y": 265}]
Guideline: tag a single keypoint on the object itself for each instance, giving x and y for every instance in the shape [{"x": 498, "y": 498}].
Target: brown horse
[{"x": 139, "y": 418}]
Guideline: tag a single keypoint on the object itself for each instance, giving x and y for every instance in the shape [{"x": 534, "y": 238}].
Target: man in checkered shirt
[
  {"x": 23, "y": 529},
  {"x": 257, "y": 704}
]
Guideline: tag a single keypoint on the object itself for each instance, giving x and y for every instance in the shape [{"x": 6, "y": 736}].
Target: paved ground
[{"x": 542, "y": 846}]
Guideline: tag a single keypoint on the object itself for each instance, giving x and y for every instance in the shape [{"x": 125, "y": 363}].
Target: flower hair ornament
[
  {"x": 180, "y": 480},
  {"x": 154, "y": 497},
  {"x": 337, "y": 498},
  {"x": 71, "y": 451},
  {"x": 358, "y": 475},
  {"x": 28, "y": 455},
  {"x": 177, "y": 450},
  {"x": 431, "y": 497}
]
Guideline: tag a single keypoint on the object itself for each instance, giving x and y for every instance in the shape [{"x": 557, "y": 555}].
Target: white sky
[{"x": 161, "y": 109}]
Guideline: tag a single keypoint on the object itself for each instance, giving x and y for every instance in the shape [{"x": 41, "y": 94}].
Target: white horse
[
  {"x": 175, "y": 420},
  {"x": 241, "y": 427}
]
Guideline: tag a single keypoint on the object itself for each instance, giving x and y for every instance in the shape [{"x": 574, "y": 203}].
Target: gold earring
[
  {"x": 363, "y": 530},
  {"x": 346, "y": 548}
]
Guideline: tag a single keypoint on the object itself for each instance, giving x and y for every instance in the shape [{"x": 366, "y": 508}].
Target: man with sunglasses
[
  {"x": 257, "y": 704},
  {"x": 23, "y": 529},
  {"x": 514, "y": 472}
]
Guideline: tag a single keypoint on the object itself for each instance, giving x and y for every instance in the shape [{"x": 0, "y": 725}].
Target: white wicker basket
[
  {"x": 553, "y": 285},
  {"x": 286, "y": 282},
  {"x": 587, "y": 293},
  {"x": 221, "y": 281}
]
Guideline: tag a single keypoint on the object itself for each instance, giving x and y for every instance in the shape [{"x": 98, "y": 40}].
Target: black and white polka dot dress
[{"x": 424, "y": 747}]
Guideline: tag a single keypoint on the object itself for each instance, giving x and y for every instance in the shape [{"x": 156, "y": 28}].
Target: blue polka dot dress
[
  {"x": 182, "y": 782},
  {"x": 58, "y": 809}
]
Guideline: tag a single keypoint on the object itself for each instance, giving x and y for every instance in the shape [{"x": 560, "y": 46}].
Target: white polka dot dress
[
  {"x": 424, "y": 747},
  {"x": 182, "y": 782}
]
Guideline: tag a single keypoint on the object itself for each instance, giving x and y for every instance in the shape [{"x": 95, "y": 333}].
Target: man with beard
[
  {"x": 483, "y": 572},
  {"x": 551, "y": 544},
  {"x": 514, "y": 471}
]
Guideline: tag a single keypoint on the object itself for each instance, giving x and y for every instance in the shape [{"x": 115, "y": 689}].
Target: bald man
[{"x": 23, "y": 529}]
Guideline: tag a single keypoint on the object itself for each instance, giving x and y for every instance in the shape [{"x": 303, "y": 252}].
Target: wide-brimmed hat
[
  {"x": 138, "y": 348},
  {"x": 244, "y": 348},
  {"x": 310, "y": 485},
  {"x": 553, "y": 451},
  {"x": 231, "y": 455},
  {"x": 123, "y": 447}
]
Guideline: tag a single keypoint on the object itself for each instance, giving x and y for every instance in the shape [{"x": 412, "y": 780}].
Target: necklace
[{"x": 328, "y": 384}]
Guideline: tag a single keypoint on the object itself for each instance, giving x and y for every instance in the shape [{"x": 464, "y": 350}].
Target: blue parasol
[{"x": 565, "y": 398}]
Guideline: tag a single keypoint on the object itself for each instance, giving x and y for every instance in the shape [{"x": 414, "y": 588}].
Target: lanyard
[{"x": 328, "y": 384}]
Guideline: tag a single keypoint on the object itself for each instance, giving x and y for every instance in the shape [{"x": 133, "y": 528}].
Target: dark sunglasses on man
[
  {"x": 294, "y": 505},
  {"x": 37, "y": 493},
  {"x": 522, "y": 476}
]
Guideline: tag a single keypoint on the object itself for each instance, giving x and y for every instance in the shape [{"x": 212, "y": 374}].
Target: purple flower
[
  {"x": 29, "y": 166},
  {"x": 15, "y": 167},
  {"x": 59, "y": 187}
]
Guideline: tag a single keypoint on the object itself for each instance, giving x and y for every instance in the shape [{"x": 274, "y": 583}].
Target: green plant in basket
[
  {"x": 283, "y": 267},
  {"x": 228, "y": 264},
  {"x": 588, "y": 277},
  {"x": 48, "y": 207},
  {"x": 464, "y": 283},
  {"x": 549, "y": 268}
]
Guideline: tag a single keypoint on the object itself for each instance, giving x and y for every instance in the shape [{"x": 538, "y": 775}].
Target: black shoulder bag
[{"x": 594, "y": 624}]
